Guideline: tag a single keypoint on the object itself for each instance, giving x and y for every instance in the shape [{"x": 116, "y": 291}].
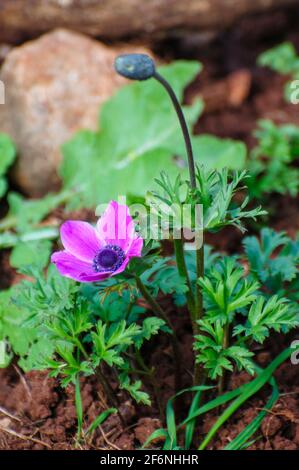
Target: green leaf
[
  {"x": 163, "y": 276},
  {"x": 265, "y": 314},
  {"x": 271, "y": 161},
  {"x": 23, "y": 213},
  {"x": 100, "y": 419},
  {"x": 226, "y": 290},
  {"x": 150, "y": 327},
  {"x": 25, "y": 342},
  {"x": 190, "y": 427},
  {"x": 171, "y": 433},
  {"x": 138, "y": 138},
  {"x": 7, "y": 156},
  {"x": 216, "y": 153},
  {"x": 215, "y": 356},
  {"x": 107, "y": 344},
  {"x": 282, "y": 58},
  {"x": 215, "y": 192},
  {"x": 274, "y": 261},
  {"x": 26, "y": 253},
  {"x": 134, "y": 390},
  {"x": 242, "y": 439}
]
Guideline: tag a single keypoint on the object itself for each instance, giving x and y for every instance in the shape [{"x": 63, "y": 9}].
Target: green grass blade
[
  {"x": 191, "y": 425},
  {"x": 171, "y": 440},
  {"x": 155, "y": 435},
  {"x": 100, "y": 419},
  {"x": 250, "y": 389},
  {"x": 242, "y": 440},
  {"x": 228, "y": 396},
  {"x": 170, "y": 434}
]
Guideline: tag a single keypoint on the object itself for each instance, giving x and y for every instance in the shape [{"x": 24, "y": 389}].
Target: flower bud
[{"x": 135, "y": 66}]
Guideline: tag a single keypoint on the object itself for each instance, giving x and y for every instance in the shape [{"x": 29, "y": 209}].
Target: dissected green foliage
[
  {"x": 284, "y": 60},
  {"x": 80, "y": 329},
  {"x": 271, "y": 162},
  {"x": 229, "y": 296},
  {"x": 274, "y": 262},
  {"x": 215, "y": 193},
  {"x": 19, "y": 339}
]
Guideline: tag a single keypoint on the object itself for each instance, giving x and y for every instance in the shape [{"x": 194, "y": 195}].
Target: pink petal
[
  {"x": 80, "y": 239},
  {"x": 116, "y": 226},
  {"x": 122, "y": 267},
  {"x": 135, "y": 248},
  {"x": 95, "y": 277},
  {"x": 70, "y": 266}
]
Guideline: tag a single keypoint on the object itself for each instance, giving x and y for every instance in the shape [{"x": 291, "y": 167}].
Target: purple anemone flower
[{"x": 93, "y": 254}]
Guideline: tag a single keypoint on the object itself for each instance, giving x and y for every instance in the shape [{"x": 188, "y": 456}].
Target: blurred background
[{"x": 57, "y": 67}]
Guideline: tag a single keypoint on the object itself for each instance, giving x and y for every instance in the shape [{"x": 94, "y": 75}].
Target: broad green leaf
[
  {"x": 7, "y": 156},
  {"x": 23, "y": 213},
  {"x": 216, "y": 153},
  {"x": 138, "y": 137},
  {"x": 37, "y": 253}
]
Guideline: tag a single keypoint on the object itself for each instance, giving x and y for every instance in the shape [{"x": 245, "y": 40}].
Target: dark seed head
[{"x": 135, "y": 66}]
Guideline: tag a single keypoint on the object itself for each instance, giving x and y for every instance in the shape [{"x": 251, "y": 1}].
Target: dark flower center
[{"x": 109, "y": 258}]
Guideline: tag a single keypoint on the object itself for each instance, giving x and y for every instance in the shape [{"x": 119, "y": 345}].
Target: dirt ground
[{"x": 40, "y": 413}]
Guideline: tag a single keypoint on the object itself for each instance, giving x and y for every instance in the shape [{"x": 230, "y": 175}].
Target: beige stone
[{"x": 54, "y": 86}]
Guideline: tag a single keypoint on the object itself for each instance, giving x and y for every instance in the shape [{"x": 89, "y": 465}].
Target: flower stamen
[{"x": 109, "y": 258}]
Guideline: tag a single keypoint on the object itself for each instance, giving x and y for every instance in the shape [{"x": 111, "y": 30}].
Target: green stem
[
  {"x": 182, "y": 268},
  {"x": 199, "y": 372},
  {"x": 225, "y": 345},
  {"x": 152, "y": 302},
  {"x": 79, "y": 407},
  {"x": 183, "y": 125},
  {"x": 200, "y": 268},
  {"x": 173, "y": 338},
  {"x": 102, "y": 379},
  {"x": 150, "y": 371},
  {"x": 196, "y": 313}
]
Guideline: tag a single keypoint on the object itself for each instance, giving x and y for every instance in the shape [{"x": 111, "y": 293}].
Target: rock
[
  {"x": 125, "y": 18},
  {"x": 54, "y": 86}
]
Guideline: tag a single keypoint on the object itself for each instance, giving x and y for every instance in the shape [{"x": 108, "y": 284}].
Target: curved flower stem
[
  {"x": 173, "y": 338},
  {"x": 196, "y": 311},
  {"x": 183, "y": 124}
]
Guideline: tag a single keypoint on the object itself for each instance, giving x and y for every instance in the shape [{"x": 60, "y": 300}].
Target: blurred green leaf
[
  {"x": 37, "y": 253},
  {"x": 7, "y": 156},
  {"x": 138, "y": 138},
  {"x": 216, "y": 153}
]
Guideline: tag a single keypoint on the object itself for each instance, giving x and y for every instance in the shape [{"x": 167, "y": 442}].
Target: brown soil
[{"x": 36, "y": 413}]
